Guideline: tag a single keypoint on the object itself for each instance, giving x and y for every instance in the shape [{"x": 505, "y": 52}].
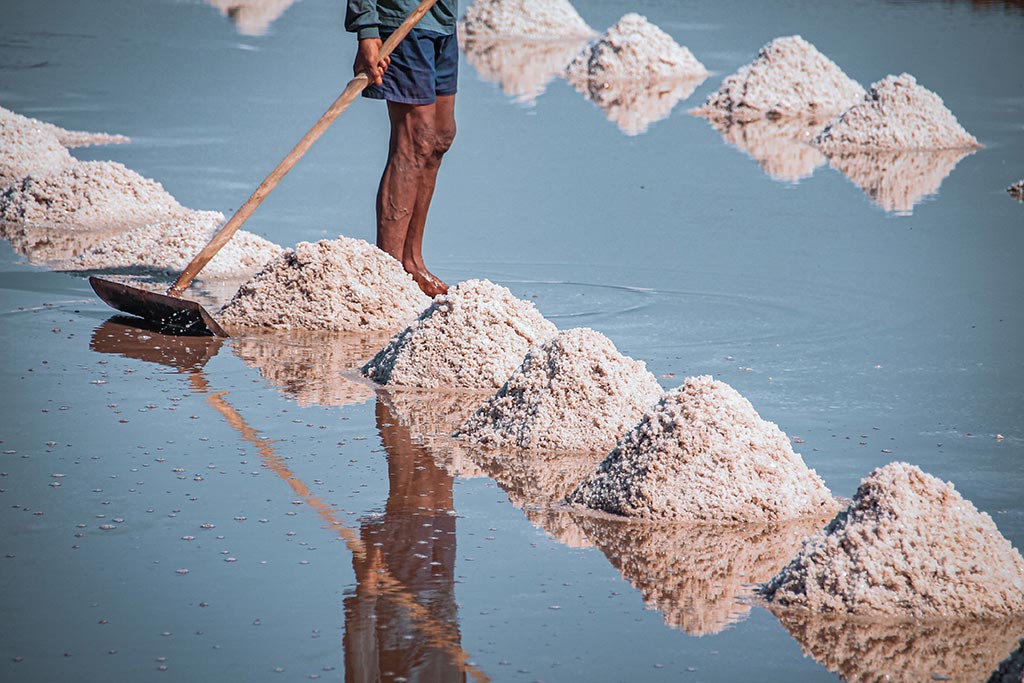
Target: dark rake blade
[{"x": 173, "y": 315}]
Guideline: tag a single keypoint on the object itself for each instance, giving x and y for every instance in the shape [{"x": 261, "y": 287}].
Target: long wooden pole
[{"x": 352, "y": 90}]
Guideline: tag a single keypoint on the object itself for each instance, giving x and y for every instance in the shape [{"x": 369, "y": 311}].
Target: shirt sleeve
[{"x": 361, "y": 18}]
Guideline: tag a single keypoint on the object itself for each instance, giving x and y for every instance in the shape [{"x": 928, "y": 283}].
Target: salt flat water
[{"x": 200, "y": 510}]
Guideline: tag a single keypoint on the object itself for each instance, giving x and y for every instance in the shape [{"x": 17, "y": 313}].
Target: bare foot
[{"x": 428, "y": 282}]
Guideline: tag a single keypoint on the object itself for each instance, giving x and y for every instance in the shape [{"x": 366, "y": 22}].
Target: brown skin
[{"x": 420, "y": 136}]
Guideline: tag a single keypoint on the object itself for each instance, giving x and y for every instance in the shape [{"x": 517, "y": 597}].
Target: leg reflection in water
[{"x": 414, "y": 543}]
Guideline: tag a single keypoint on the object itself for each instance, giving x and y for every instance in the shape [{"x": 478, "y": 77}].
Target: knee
[{"x": 444, "y": 136}]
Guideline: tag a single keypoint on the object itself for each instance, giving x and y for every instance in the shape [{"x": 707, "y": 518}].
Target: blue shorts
[{"x": 423, "y": 66}]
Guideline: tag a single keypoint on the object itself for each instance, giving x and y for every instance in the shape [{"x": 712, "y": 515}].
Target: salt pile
[
  {"x": 898, "y": 180},
  {"x": 781, "y": 146},
  {"x": 27, "y": 149},
  {"x": 1017, "y": 190},
  {"x": 523, "y": 19},
  {"x": 67, "y": 138},
  {"x": 897, "y": 114},
  {"x": 252, "y": 17},
  {"x": 312, "y": 368},
  {"x": 522, "y": 67},
  {"x": 698, "y": 576},
  {"x": 908, "y": 546},
  {"x": 634, "y": 49},
  {"x": 790, "y": 77},
  {"x": 575, "y": 392},
  {"x": 703, "y": 454},
  {"x": 908, "y": 651},
  {"x": 341, "y": 285},
  {"x": 474, "y": 336},
  {"x": 170, "y": 246},
  {"x": 89, "y": 195}
]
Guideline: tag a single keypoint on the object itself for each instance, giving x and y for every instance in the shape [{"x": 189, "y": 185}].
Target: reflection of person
[
  {"x": 418, "y": 81},
  {"x": 413, "y": 542}
]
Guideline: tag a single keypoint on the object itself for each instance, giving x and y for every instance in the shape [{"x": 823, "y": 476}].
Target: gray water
[{"x": 868, "y": 334}]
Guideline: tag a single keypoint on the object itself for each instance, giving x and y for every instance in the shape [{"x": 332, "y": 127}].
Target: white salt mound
[
  {"x": 575, "y": 392},
  {"x": 897, "y": 114},
  {"x": 908, "y": 546},
  {"x": 703, "y": 454},
  {"x": 523, "y": 19},
  {"x": 474, "y": 336},
  {"x": 89, "y": 195},
  {"x": 27, "y": 148},
  {"x": 252, "y": 17},
  {"x": 340, "y": 285},
  {"x": 1017, "y": 190},
  {"x": 171, "y": 245},
  {"x": 634, "y": 49},
  {"x": 790, "y": 77},
  {"x": 67, "y": 138}
]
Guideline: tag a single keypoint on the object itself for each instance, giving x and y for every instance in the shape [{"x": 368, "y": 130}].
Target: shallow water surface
[{"x": 249, "y": 509}]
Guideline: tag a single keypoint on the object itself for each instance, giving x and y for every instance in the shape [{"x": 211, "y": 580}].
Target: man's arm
[{"x": 361, "y": 18}]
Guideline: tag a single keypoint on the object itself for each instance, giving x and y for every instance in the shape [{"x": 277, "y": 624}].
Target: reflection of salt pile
[
  {"x": 28, "y": 149},
  {"x": 67, "y": 138},
  {"x": 575, "y": 392},
  {"x": 909, "y": 546},
  {"x": 897, "y": 114},
  {"x": 704, "y": 454},
  {"x": 252, "y": 17},
  {"x": 897, "y": 180},
  {"x": 636, "y": 73},
  {"x": 89, "y": 195},
  {"x": 341, "y": 285},
  {"x": 696, "y": 575},
  {"x": 46, "y": 245},
  {"x": 171, "y": 245},
  {"x": 781, "y": 146},
  {"x": 790, "y": 77},
  {"x": 313, "y": 368},
  {"x": 523, "y": 19},
  {"x": 1017, "y": 190},
  {"x": 523, "y": 67},
  {"x": 905, "y": 652},
  {"x": 474, "y": 336}
]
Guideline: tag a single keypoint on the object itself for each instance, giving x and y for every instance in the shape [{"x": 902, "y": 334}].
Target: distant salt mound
[
  {"x": 474, "y": 336},
  {"x": 703, "y": 454},
  {"x": 897, "y": 114},
  {"x": 575, "y": 392},
  {"x": 908, "y": 546},
  {"x": 634, "y": 49},
  {"x": 252, "y": 17},
  {"x": 790, "y": 77},
  {"x": 523, "y": 19},
  {"x": 523, "y": 67},
  {"x": 27, "y": 148},
  {"x": 171, "y": 245},
  {"x": 781, "y": 146},
  {"x": 1017, "y": 190},
  {"x": 67, "y": 138},
  {"x": 897, "y": 180},
  {"x": 89, "y": 195},
  {"x": 340, "y": 285}
]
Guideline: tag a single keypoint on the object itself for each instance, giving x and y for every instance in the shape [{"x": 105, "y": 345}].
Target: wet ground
[{"x": 194, "y": 510}]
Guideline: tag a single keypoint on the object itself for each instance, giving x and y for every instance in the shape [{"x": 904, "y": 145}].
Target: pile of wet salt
[
  {"x": 523, "y": 19},
  {"x": 170, "y": 246},
  {"x": 1017, "y": 190},
  {"x": 67, "y": 138},
  {"x": 575, "y": 392},
  {"x": 703, "y": 454},
  {"x": 474, "y": 336},
  {"x": 896, "y": 114},
  {"x": 908, "y": 546},
  {"x": 634, "y": 49},
  {"x": 89, "y": 195},
  {"x": 790, "y": 77},
  {"x": 28, "y": 148},
  {"x": 340, "y": 285}
]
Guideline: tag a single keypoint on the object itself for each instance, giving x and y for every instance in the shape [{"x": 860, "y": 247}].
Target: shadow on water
[
  {"x": 402, "y": 620},
  {"x": 906, "y": 652}
]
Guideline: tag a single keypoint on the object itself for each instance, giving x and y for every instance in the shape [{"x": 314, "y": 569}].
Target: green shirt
[{"x": 366, "y": 18}]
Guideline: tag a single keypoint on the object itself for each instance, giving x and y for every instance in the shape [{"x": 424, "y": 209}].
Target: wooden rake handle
[{"x": 352, "y": 90}]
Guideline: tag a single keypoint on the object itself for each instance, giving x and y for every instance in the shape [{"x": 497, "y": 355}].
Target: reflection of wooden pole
[{"x": 438, "y": 634}]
